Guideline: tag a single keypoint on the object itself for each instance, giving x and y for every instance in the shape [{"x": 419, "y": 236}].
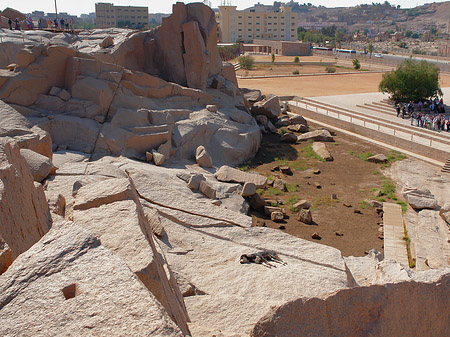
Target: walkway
[{"x": 394, "y": 232}]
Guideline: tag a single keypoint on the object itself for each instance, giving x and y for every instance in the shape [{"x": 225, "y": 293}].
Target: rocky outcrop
[
  {"x": 40, "y": 166},
  {"x": 380, "y": 310},
  {"x": 90, "y": 290},
  {"x": 420, "y": 198},
  {"x": 24, "y": 213}
]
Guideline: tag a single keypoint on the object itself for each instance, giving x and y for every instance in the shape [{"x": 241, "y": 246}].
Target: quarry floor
[{"x": 349, "y": 176}]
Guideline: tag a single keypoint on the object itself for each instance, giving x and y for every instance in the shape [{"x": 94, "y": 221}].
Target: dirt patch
[
  {"x": 299, "y": 69},
  {"x": 349, "y": 177}
]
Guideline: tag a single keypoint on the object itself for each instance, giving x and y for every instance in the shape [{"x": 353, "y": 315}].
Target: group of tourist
[
  {"x": 430, "y": 115},
  {"x": 61, "y": 24}
]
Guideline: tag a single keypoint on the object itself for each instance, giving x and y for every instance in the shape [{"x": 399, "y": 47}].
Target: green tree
[
  {"x": 356, "y": 64},
  {"x": 412, "y": 81},
  {"x": 273, "y": 57},
  {"x": 296, "y": 59},
  {"x": 370, "y": 48},
  {"x": 246, "y": 62}
]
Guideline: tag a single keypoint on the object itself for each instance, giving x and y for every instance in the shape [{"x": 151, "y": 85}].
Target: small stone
[
  {"x": 158, "y": 158},
  {"x": 248, "y": 190},
  {"x": 211, "y": 108},
  {"x": 275, "y": 168},
  {"x": 305, "y": 216},
  {"x": 316, "y": 236},
  {"x": 302, "y": 204},
  {"x": 107, "y": 42},
  {"x": 279, "y": 184},
  {"x": 318, "y": 186},
  {"x": 333, "y": 197},
  {"x": 12, "y": 66},
  {"x": 288, "y": 138},
  {"x": 202, "y": 157},
  {"x": 347, "y": 205},
  {"x": 339, "y": 233},
  {"x": 216, "y": 202},
  {"x": 381, "y": 237},
  {"x": 195, "y": 180},
  {"x": 100, "y": 118},
  {"x": 380, "y": 229},
  {"x": 54, "y": 91},
  {"x": 379, "y": 158},
  {"x": 357, "y": 211},
  {"x": 64, "y": 95},
  {"x": 207, "y": 189},
  {"x": 51, "y": 116},
  {"x": 316, "y": 171},
  {"x": 282, "y": 227},
  {"x": 268, "y": 210},
  {"x": 148, "y": 156},
  {"x": 286, "y": 170},
  {"x": 276, "y": 216}
]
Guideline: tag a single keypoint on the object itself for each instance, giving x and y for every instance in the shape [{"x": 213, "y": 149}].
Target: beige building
[
  {"x": 108, "y": 15},
  {"x": 248, "y": 25}
]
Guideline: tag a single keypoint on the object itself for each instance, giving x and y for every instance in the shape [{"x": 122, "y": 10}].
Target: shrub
[
  {"x": 330, "y": 70},
  {"x": 356, "y": 64},
  {"x": 295, "y": 72},
  {"x": 246, "y": 61},
  {"x": 273, "y": 57},
  {"x": 296, "y": 59}
]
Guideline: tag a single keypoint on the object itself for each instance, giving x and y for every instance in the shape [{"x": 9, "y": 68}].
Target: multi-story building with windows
[
  {"x": 108, "y": 15},
  {"x": 250, "y": 24}
]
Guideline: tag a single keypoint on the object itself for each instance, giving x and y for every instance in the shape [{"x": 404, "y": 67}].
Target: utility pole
[{"x": 56, "y": 10}]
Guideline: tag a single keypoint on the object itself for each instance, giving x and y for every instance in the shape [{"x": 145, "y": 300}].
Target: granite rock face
[
  {"x": 90, "y": 290},
  {"x": 24, "y": 212}
]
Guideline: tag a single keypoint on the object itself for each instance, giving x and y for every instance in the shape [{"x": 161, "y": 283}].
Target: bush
[
  {"x": 296, "y": 59},
  {"x": 356, "y": 64},
  {"x": 246, "y": 61},
  {"x": 330, "y": 70},
  {"x": 412, "y": 81},
  {"x": 295, "y": 72},
  {"x": 273, "y": 57}
]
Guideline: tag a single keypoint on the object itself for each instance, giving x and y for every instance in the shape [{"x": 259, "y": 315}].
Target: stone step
[
  {"x": 394, "y": 232},
  {"x": 446, "y": 167}
]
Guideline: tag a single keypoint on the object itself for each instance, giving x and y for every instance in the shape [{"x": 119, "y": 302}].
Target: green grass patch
[
  {"x": 392, "y": 157},
  {"x": 364, "y": 204},
  {"x": 308, "y": 152},
  {"x": 283, "y": 131},
  {"x": 273, "y": 191},
  {"x": 411, "y": 260},
  {"x": 388, "y": 190},
  {"x": 292, "y": 187},
  {"x": 317, "y": 203},
  {"x": 403, "y": 204},
  {"x": 362, "y": 156}
]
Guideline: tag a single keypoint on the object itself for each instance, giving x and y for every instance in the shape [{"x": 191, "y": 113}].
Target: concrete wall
[
  {"x": 423, "y": 150},
  {"x": 286, "y": 48}
]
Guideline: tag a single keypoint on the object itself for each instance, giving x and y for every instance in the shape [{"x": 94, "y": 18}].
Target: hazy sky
[{"x": 165, "y": 6}]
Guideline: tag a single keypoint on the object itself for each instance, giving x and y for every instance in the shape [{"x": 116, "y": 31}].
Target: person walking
[{"x": 397, "y": 107}]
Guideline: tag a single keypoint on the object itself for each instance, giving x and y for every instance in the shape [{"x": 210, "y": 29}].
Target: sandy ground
[
  {"x": 268, "y": 70},
  {"x": 351, "y": 178},
  {"x": 323, "y": 85}
]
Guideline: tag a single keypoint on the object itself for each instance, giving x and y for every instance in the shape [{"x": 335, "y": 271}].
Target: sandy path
[{"x": 323, "y": 85}]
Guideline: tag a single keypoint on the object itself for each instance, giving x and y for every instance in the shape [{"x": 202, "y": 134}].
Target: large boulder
[
  {"x": 202, "y": 157},
  {"x": 420, "y": 198},
  {"x": 91, "y": 291},
  {"x": 322, "y": 151},
  {"x": 24, "y": 213},
  {"x": 318, "y": 135},
  {"x": 269, "y": 107},
  {"x": 229, "y": 174},
  {"x": 112, "y": 211},
  {"x": 40, "y": 166}
]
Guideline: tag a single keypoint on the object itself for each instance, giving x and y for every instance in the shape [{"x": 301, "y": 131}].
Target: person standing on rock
[
  {"x": 10, "y": 23},
  {"x": 17, "y": 27}
]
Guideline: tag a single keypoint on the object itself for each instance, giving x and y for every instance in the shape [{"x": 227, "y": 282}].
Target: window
[
  {"x": 240, "y": 23},
  {"x": 282, "y": 29},
  {"x": 257, "y": 29},
  {"x": 249, "y": 36},
  {"x": 257, "y": 23},
  {"x": 240, "y": 30},
  {"x": 239, "y": 17},
  {"x": 249, "y": 17},
  {"x": 257, "y": 17},
  {"x": 269, "y": 23},
  {"x": 282, "y": 35},
  {"x": 269, "y": 30}
]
